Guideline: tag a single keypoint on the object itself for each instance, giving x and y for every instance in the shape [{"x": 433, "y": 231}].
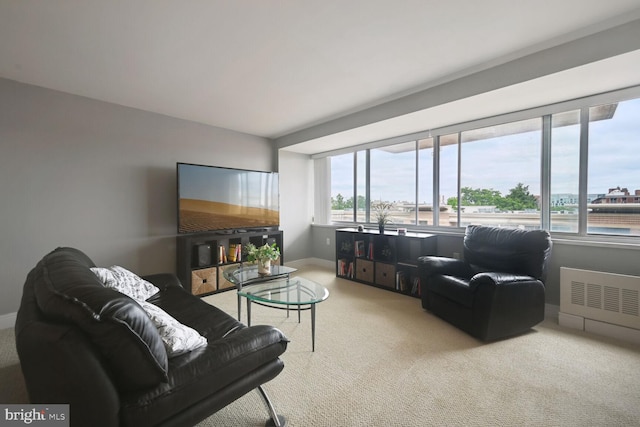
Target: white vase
[{"x": 264, "y": 266}]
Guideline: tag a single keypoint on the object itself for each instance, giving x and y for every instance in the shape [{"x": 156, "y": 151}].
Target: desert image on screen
[{"x": 198, "y": 215}]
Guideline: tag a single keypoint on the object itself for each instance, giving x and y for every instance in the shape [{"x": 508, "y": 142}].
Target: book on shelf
[
  {"x": 222, "y": 254},
  {"x": 359, "y": 248},
  {"x": 239, "y": 252},
  {"x": 399, "y": 278},
  {"x": 370, "y": 254},
  {"x": 235, "y": 252},
  {"x": 415, "y": 289},
  {"x": 345, "y": 268},
  {"x": 401, "y": 281}
]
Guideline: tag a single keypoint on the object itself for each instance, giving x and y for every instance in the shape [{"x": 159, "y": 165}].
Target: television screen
[{"x": 216, "y": 198}]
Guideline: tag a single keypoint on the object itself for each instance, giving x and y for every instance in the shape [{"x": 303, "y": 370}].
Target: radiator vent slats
[
  {"x": 607, "y": 297},
  {"x": 577, "y": 293},
  {"x": 630, "y": 302},
  {"x": 594, "y": 295},
  {"x": 611, "y": 300}
]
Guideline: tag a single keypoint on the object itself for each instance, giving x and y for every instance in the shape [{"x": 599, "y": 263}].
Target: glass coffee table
[
  {"x": 285, "y": 292},
  {"x": 245, "y": 275}
]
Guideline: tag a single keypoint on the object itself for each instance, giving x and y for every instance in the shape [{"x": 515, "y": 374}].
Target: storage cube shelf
[
  {"x": 388, "y": 260},
  {"x": 202, "y": 257}
]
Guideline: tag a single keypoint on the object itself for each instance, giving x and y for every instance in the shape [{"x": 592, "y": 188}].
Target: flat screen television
[{"x": 212, "y": 198}]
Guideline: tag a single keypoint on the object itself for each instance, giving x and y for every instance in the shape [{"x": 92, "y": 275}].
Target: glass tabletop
[
  {"x": 244, "y": 274},
  {"x": 293, "y": 291}
]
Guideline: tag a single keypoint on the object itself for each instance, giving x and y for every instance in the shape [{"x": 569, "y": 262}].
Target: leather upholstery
[
  {"x": 497, "y": 290},
  {"x": 65, "y": 358}
]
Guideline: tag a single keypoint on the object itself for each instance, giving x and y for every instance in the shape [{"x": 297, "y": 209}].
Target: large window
[
  {"x": 425, "y": 182},
  {"x": 614, "y": 163},
  {"x": 500, "y": 179},
  {"x": 393, "y": 180},
  {"x": 565, "y": 167},
  {"x": 361, "y": 186},
  {"x": 448, "y": 155},
  {"x": 571, "y": 171},
  {"x": 342, "y": 207}
]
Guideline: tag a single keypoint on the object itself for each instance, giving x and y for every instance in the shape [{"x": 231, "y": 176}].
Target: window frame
[{"x": 543, "y": 112}]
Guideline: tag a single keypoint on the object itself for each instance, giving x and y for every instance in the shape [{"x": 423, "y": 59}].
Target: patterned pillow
[
  {"x": 126, "y": 282},
  {"x": 177, "y": 338}
]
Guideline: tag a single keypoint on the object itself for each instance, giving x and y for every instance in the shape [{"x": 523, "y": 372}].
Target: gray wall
[
  {"x": 608, "y": 258},
  {"x": 296, "y": 193},
  {"x": 99, "y": 177}
]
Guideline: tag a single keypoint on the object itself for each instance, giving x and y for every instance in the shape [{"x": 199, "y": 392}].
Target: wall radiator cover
[{"x": 608, "y": 297}]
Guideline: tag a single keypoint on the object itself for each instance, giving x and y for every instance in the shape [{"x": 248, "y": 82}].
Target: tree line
[{"x": 518, "y": 199}]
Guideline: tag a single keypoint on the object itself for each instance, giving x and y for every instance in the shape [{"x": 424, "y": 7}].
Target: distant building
[
  {"x": 617, "y": 201},
  {"x": 571, "y": 199},
  {"x": 619, "y": 195}
]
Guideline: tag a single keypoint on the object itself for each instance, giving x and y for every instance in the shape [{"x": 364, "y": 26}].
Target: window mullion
[
  {"x": 459, "y": 215},
  {"x": 436, "y": 181},
  {"x": 583, "y": 172},
  {"x": 545, "y": 178},
  {"x": 368, "y": 186},
  {"x": 417, "y": 178}
]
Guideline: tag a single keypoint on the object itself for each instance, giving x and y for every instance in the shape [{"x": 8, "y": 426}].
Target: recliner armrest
[
  {"x": 499, "y": 279},
  {"x": 430, "y": 265}
]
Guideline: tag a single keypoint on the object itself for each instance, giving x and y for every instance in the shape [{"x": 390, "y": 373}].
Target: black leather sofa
[
  {"x": 94, "y": 348},
  {"x": 497, "y": 290}
]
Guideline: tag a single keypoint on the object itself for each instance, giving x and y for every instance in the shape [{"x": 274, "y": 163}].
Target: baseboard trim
[
  {"x": 299, "y": 263},
  {"x": 8, "y": 320},
  {"x": 597, "y": 327}
]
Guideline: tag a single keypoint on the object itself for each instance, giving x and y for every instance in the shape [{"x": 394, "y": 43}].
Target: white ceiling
[{"x": 275, "y": 67}]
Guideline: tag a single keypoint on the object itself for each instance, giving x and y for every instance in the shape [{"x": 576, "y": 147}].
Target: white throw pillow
[
  {"x": 177, "y": 338},
  {"x": 126, "y": 282}
]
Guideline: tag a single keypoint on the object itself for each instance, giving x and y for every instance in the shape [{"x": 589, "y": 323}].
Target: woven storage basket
[{"x": 203, "y": 281}]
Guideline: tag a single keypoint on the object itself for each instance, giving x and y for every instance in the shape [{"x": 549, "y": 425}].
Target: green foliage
[
  {"x": 340, "y": 203},
  {"x": 479, "y": 196},
  {"x": 453, "y": 202},
  {"x": 262, "y": 253},
  {"x": 518, "y": 198}
]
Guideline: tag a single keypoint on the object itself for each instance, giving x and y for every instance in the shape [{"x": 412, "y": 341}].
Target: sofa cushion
[
  {"x": 126, "y": 282},
  {"x": 67, "y": 290},
  {"x": 234, "y": 353},
  {"x": 177, "y": 338}
]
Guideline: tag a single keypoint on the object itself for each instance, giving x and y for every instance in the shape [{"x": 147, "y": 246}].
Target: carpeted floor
[{"x": 381, "y": 360}]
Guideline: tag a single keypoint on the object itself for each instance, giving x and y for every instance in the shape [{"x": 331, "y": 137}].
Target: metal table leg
[{"x": 313, "y": 327}]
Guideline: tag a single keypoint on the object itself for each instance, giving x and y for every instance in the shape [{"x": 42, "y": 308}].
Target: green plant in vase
[{"x": 263, "y": 255}]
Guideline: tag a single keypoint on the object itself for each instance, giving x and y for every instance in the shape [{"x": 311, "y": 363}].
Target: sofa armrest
[
  {"x": 60, "y": 365},
  {"x": 430, "y": 265},
  {"x": 163, "y": 280}
]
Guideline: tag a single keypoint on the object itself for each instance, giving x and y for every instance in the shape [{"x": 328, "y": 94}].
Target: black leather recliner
[{"x": 497, "y": 290}]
